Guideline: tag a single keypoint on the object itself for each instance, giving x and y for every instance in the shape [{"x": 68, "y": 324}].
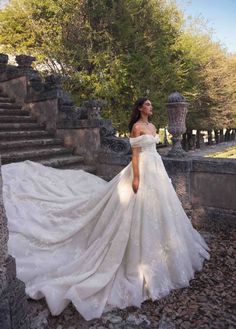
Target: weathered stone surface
[
  {"x": 112, "y": 144},
  {"x": 17, "y": 118},
  {"x": 109, "y": 164},
  {"x": 3, "y": 236},
  {"x": 23, "y": 139},
  {"x": 44, "y": 152},
  {"x": 179, "y": 171},
  {"x": 18, "y": 144},
  {"x": 13, "y": 307},
  {"x": 213, "y": 165},
  {"x": 45, "y": 112},
  {"x": 63, "y": 161},
  {"x": 25, "y": 61},
  {"x": 4, "y": 112},
  {"x": 22, "y": 134},
  {"x": 213, "y": 190},
  {"x": 85, "y": 142},
  {"x": 20, "y": 126},
  {"x": 9, "y": 106},
  {"x": 5, "y": 99},
  {"x": 15, "y": 86},
  {"x": 3, "y": 62},
  {"x": 176, "y": 110}
]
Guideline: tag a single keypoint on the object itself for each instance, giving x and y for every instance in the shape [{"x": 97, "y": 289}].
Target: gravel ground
[{"x": 207, "y": 303}]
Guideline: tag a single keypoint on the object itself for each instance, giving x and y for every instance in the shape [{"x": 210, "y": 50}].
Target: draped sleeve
[
  {"x": 135, "y": 141},
  {"x": 143, "y": 140}
]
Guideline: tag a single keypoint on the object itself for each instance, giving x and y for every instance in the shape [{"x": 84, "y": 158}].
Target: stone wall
[
  {"x": 110, "y": 164},
  {"x": 44, "y": 111},
  {"x": 205, "y": 186},
  {"x": 84, "y": 141},
  {"x": 81, "y": 128},
  {"x": 213, "y": 190},
  {"x": 13, "y": 305},
  {"x": 16, "y": 88}
]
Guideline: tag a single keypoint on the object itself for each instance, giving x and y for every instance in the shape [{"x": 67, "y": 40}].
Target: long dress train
[{"x": 79, "y": 238}]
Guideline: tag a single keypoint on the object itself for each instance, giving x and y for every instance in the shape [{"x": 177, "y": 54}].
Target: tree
[{"x": 119, "y": 50}]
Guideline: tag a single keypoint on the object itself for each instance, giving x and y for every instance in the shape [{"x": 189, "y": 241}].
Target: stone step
[
  {"x": 17, "y": 119},
  {"x": 27, "y": 143},
  {"x": 31, "y": 154},
  {"x": 65, "y": 162},
  {"x": 13, "y": 135},
  {"x": 20, "y": 126},
  {"x": 6, "y": 99},
  {"x": 9, "y": 106},
  {"x": 4, "y": 112},
  {"x": 2, "y": 94},
  {"x": 90, "y": 169}
]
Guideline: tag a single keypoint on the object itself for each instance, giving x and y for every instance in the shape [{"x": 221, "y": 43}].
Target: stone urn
[
  {"x": 3, "y": 62},
  {"x": 24, "y": 61},
  {"x": 176, "y": 110}
]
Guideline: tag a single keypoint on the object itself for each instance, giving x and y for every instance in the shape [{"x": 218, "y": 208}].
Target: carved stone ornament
[
  {"x": 93, "y": 108},
  {"x": 111, "y": 143},
  {"x": 53, "y": 81},
  {"x": 25, "y": 61}
]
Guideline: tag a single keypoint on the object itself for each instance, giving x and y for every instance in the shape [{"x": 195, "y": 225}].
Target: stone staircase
[{"x": 22, "y": 138}]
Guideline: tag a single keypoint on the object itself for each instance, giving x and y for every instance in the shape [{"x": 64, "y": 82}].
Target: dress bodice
[{"x": 146, "y": 142}]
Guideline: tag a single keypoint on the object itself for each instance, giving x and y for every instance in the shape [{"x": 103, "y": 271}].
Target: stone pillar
[
  {"x": 3, "y": 62},
  {"x": 24, "y": 62},
  {"x": 176, "y": 110},
  {"x": 13, "y": 305}
]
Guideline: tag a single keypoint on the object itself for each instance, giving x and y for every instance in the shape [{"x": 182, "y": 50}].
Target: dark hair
[{"x": 135, "y": 115}]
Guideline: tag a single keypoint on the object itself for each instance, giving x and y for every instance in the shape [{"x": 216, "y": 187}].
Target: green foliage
[
  {"x": 118, "y": 50},
  {"x": 209, "y": 83}
]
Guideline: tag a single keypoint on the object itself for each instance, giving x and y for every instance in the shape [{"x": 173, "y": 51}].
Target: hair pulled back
[{"x": 135, "y": 115}]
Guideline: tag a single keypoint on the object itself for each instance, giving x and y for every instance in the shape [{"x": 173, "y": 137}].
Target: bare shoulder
[
  {"x": 136, "y": 130},
  {"x": 153, "y": 125}
]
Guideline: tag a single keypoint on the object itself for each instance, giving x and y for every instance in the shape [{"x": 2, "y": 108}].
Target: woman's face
[{"x": 147, "y": 108}]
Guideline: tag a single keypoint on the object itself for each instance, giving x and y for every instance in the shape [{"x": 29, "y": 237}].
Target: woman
[
  {"x": 101, "y": 244},
  {"x": 139, "y": 125}
]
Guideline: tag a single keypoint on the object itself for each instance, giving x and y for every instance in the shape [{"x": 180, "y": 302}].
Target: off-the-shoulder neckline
[{"x": 143, "y": 135}]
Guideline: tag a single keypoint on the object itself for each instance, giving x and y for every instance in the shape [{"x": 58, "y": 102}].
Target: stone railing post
[
  {"x": 24, "y": 62},
  {"x": 176, "y": 110},
  {"x": 3, "y": 62}
]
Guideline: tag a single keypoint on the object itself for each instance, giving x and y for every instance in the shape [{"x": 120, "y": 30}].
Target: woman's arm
[{"x": 135, "y": 159}]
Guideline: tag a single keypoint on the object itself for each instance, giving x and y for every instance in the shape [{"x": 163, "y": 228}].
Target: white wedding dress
[{"x": 79, "y": 238}]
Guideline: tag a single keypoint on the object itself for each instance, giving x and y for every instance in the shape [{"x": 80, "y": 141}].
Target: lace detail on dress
[{"x": 79, "y": 238}]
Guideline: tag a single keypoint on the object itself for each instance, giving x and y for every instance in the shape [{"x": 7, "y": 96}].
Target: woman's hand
[{"x": 135, "y": 184}]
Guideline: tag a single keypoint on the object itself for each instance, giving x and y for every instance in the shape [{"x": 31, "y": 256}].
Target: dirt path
[{"x": 206, "y": 150}]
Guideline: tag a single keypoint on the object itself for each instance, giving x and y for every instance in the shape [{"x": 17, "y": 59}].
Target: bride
[{"x": 101, "y": 244}]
